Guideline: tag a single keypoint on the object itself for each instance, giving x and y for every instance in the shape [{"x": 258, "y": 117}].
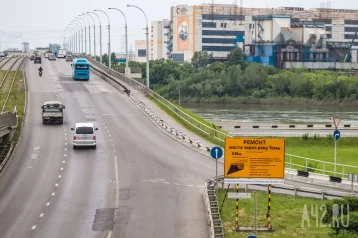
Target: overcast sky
[{"x": 41, "y": 22}]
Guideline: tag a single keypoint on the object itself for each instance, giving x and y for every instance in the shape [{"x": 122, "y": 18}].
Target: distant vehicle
[
  {"x": 69, "y": 58},
  {"x": 61, "y": 54},
  {"x": 81, "y": 69},
  {"x": 51, "y": 57},
  {"x": 84, "y": 135},
  {"x": 2, "y": 55},
  {"x": 32, "y": 57},
  {"x": 52, "y": 111},
  {"x": 37, "y": 59},
  {"x": 46, "y": 55}
]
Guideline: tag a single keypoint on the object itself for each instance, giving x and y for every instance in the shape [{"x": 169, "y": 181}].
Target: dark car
[
  {"x": 37, "y": 59},
  {"x": 69, "y": 58},
  {"x": 32, "y": 57}
]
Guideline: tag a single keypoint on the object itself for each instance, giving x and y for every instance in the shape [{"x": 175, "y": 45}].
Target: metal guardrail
[
  {"x": 2, "y": 165},
  {"x": 294, "y": 160},
  {"x": 318, "y": 167}
]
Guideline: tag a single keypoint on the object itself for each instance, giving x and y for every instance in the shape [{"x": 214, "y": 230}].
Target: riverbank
[{"x": 268, "y": 101}]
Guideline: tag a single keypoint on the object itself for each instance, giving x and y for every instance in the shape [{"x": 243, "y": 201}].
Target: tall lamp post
[
  {"x": 100, "y": 36},
  {"x": 76, "y": 37},
  {"x": 89, "y": 32},
  {"x": 94, "y": 34},
  {"x": 126, "y": 32},
  {"x": 84, "y": 23},
  {"x": 73, "y": 38},
  {"x": 80, "y": 31},
  {"x": 128, "y": 5},
  {"x": 109, "y": 38}
]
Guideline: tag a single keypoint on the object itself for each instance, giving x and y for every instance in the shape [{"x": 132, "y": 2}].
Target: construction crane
[{"x": 349, "y": 50}]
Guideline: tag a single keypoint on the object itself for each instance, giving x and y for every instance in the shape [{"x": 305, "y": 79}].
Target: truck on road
[
  {"x": 61, "y": 53},
  {"x": 52, "y": 111}
]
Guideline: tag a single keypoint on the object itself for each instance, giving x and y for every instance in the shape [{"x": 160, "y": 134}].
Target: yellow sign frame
[{"x": 254, "y": 158}]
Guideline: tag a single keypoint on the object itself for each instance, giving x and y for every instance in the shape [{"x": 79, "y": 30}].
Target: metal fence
[{"x": 292, "y": 161}]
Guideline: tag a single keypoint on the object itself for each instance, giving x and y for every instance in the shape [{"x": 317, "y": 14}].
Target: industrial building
[{"x": 282, "y": 37}]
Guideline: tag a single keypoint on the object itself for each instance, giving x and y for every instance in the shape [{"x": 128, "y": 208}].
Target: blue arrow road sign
[
  {"x": 216, "y": 152},
  {"x": 336, "y": 135}
]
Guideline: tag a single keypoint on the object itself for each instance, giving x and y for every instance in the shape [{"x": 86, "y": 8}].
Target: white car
[
  {"x": 84, "y": 135},
  {"x": 46, "y": 55}
]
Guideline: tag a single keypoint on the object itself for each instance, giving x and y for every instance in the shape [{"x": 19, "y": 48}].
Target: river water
[{"x": 273, "y": 113}]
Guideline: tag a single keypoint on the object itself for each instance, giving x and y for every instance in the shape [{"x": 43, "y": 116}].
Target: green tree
[
  {"x": 217, "y": 66},
  {"x": 114, "y": 61},
  {"x": 236, "y": 57},
  {"x": 201, "y": 59},
  {"x": 105, "y": 60}
]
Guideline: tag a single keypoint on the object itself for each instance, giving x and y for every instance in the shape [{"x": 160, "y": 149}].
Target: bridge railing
[
  {"x": 319, "y": 167},
  {"x": 8, "y": 119},
  {"x": 313, "y": 166}
]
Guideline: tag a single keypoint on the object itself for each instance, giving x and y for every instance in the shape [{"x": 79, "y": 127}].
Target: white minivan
[{"x": 85, "y": 135}]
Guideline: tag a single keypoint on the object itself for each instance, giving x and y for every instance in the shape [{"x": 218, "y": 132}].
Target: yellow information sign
[{"x": 254, "y": 158}]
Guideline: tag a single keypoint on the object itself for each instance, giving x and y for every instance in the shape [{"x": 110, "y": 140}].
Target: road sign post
[
  {"x": 216, "y": 153},
  {"x": 336, "y": 136}
]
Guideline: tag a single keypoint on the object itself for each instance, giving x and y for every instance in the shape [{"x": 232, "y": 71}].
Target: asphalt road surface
[{"x": 137, "y": 183}]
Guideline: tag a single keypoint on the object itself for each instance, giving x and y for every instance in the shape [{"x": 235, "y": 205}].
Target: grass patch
[
  {"x": 286, "y": 216},
  {"x": 17, "y": 97},
  {"x": 5, "y": 87}
]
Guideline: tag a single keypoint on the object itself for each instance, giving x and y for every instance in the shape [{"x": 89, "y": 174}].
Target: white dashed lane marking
[
  {"x": 33, "y": 228},
  {"x": 47, "y": 204},
  {"x": 41, "y": 215},
  {"x": 176, "y": 184}
]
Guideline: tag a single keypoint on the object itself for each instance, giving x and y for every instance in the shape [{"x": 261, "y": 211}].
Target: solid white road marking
[
  {"x": 47, "y": 204},
  {"x": 117, "y": 181},
  {"x": 33, "y": 228},
  {"x": 41, "y": 215}
]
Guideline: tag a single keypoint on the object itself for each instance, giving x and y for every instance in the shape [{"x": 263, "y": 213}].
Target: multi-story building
[
  {"x": 140, "y": 51},
  {"x": 219, "y": 28},
  {"x": 159, "y": 39}
]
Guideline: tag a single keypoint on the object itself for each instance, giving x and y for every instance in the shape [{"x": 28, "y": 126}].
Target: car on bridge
[
  {"x": 84, "y": 135},
  {"x": 69, "y": 58},
  {"x": 37, "y": 59},
  {"x": 51, "y": 57},
  {"x": 52, "y": 111},
  {"x": 32, "y": 57}
]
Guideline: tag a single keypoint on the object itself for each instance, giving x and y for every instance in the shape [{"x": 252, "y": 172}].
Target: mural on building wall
[{"x": 183, "y": 32}]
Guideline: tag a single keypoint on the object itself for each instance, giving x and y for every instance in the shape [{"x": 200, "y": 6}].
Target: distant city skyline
[{"x": 49, "y": 22}]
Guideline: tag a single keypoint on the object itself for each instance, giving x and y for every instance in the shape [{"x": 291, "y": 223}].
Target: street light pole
[
  {"x": 109, "y": 39},
  {"x": 126, "y": 30},
  {"x": 78, "y": 35},
  {"x": 128, "y": 5},
  {"x": 81, "y": 28},
  {"x": 84, "y": 23},
  {"x": 100, "y": 37},
  {"x": 89, "y": 32},
  {"x": 94, "y": 34}
]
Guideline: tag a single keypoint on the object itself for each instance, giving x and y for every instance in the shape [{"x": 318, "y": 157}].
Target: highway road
[
  {"x": 137, "y": 183},
  {"x": 151, "y": 186}
]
